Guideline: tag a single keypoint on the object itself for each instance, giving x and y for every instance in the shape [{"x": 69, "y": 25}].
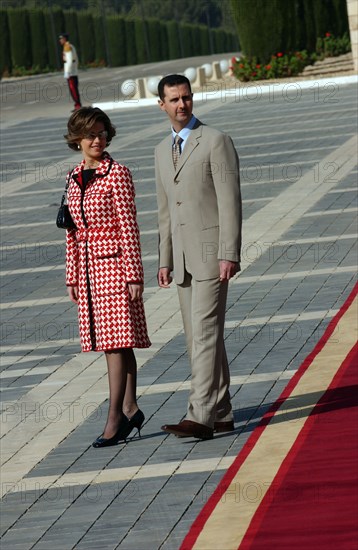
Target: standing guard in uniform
[{"x": 70, "y": 66}]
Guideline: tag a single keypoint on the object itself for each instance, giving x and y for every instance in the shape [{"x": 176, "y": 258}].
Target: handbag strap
[{"x": 66, "y": 187}]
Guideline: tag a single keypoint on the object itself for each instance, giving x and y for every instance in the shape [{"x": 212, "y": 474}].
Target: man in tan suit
[{"x": 199, "y": 216}]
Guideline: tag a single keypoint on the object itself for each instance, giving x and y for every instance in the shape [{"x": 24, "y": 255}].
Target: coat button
[{"x": 178, "y": 203}]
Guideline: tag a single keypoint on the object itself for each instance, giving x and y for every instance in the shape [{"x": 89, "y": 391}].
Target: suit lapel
[
  {"x": 165, "y": 152},
  {"x": 192, "y": 142}
]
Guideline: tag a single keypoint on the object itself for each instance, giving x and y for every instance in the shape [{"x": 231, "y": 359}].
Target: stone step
[
  {"x": 312, "y": 69},
  {"x": 330, "y": 65},
  {"x": 347, "y": 57}
]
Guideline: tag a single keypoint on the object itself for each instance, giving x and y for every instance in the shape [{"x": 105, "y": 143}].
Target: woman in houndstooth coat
[{"x": 104, "y": 273}]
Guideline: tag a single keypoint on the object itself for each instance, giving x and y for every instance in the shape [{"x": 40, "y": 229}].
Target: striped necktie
[{"x": 176, "y": 151}]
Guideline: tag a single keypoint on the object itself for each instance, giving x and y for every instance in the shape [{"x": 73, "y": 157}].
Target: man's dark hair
[{"x": 172, "y": 80}]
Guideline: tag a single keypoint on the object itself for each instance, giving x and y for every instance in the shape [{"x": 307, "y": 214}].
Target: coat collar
[{"x": 102, "y": 169}]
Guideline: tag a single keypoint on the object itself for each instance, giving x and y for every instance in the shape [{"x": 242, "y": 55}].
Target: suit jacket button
[{"x": 178, "y": 203}]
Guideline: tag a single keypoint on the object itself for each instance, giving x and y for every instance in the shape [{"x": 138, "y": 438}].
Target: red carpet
[
  {"x": 311, "y": 500},
  {"x": 313, "y": 503}
]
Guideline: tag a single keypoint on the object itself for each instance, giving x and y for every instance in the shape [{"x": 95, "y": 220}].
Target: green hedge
[
  {"x": 54, "y": 24},
  {"x": 310, "y": 27},
  {"x": 141, "y": 49},
  {"x": 340, "y": 18},
  {"x": 86, "y": 35},
  {"x": 20, "y": 37},
  {"x": 164, "y": 41},
  {"x": 173, "y": 40},
  {"x": 29, "y": 37},
  {"x": 70, "y": 26},
  {"x": 266, "y": 27},
  {"x": 116, "y": 40},
  {"x": 154, "y": 35},
  {"x": 38, "y": 31},
  {"x": 187, "y": 36},
  {"x": 261, "y": 26},
  {"x": 131, "y": 53},
  {"x": 5, "y": 52},
  {"x": 100, "y": 43},
  {"x": 204, "y": 41},
  {"x": 219, "y": 41},
  {"x": 231, "y": 43}
]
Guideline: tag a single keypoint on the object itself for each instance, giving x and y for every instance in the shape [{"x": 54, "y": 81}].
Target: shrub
[
  {"x": 54, "y": 25},
  {"x": 100, "y": 44},
  {"x": 280, "y": 65},
  {"x": 153, "y": 26},
  {"x": 204, "y": 41},
  {"x": 164, "y": 43},
  {"x": 174, "y": 51},
  {"x": 70, "y": 26},
  {"x": 20, "y": 39},
  {"x": 140, "y": 41},
  {"x": 266, "y": 26},
  {"x": 116, "y": 40},
  {"x": 131, "y": 58},
  {"x": 38, "y": 31},
  {"x": 5, "y": 54},
  {"x": 86, "y": 37},
  {"x": 261, "y": 26},
  {"x": 187, "y": 36},
  {"x": 288, "y": 64},
  {"x": 329, "y": 46}
]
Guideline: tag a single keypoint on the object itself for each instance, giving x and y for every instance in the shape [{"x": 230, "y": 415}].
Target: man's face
[
  {"x": 178, "y": 104},
  {"x": 62, "y": 40}
]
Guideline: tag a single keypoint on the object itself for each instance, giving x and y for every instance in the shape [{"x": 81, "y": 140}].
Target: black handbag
[{"x": 64, "y": 219}]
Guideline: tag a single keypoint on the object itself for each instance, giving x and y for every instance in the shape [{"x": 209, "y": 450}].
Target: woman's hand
[
  {"x": 72, "y": 291},
  {"x": 135, "y": 291}
]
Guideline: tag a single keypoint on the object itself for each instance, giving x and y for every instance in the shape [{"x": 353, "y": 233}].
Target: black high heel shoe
[
  {"x": 121, "y": 434},
  {"x": 135, "y": 422}
]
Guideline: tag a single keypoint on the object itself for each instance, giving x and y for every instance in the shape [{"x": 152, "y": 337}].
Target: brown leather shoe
[
  {"x": 224, "y": 426},
  {"x": 188, "y": 428}
]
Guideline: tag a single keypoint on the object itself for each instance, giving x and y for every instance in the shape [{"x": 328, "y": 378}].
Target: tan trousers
[{"x": 203, "y": 306}]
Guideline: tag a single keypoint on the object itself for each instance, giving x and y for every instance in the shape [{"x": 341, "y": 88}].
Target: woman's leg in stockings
[
  {"x": 130, "y": 406},
  {"x": 122, "y": 380}
]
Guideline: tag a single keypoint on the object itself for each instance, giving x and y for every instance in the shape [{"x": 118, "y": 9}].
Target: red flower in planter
[
  {"x": 258, "y": 66},
  {"x": 241, "y": 66},
  {"x": 279, "y": 54},
  {"x": 268, "y": 67},
  {"x": 328, "y": 34},
  {"x": 253, "y": 74}
]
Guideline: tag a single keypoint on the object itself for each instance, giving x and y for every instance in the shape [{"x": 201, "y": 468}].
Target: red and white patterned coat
[{"x": 103, "y": 255}]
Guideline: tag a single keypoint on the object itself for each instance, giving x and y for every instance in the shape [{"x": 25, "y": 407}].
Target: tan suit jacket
[{"x": 199, "y": 204}]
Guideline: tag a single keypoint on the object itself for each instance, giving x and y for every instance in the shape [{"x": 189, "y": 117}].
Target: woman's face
[{"x": 93, "y": 143}]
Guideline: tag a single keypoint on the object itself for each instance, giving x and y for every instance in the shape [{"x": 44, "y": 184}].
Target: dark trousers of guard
[{"x": 73, "y": 87}]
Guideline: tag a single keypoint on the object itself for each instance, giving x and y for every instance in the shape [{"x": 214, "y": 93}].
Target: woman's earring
[{"x": 78, "y": 147}]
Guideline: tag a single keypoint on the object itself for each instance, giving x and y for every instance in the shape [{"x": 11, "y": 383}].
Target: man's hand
[
  {"x": 227, "y": 269},
  {"x": 72, "y": 291},
  {"x": 164, "y": 278}
]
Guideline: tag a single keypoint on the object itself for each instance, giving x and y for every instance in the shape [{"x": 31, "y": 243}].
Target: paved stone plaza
[{"x": 299, "y": 175}]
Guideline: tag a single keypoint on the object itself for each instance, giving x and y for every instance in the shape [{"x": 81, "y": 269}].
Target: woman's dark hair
[
  {"x": 82, "y": 121},
  {"x": 172, "y": 80}
]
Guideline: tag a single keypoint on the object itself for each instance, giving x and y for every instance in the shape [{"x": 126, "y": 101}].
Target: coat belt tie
[{"x": 96, "y": 234}]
